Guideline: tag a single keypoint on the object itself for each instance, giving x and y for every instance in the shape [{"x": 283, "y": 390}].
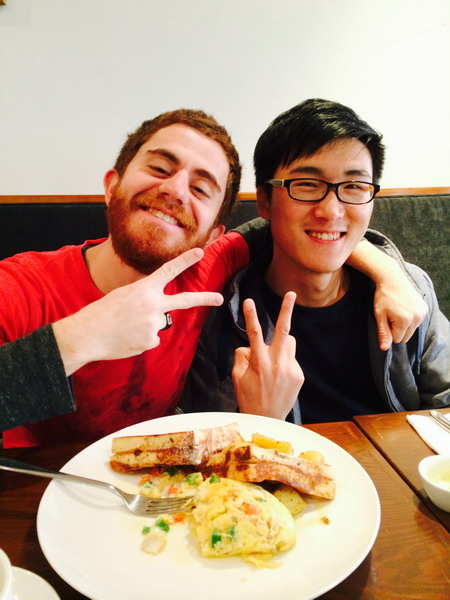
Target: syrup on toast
[
  {"x": 180, "y": 448},
  {"x": 248, "y": 462}
]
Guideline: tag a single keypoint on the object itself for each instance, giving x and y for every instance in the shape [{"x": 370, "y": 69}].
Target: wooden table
[
  {"x": 403, "y": 448},
  {"x": 410, "y": 558}
]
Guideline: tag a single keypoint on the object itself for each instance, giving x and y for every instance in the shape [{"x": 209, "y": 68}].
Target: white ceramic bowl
[
  {"x": 5, "y": 577},
  {"x": 435, "y": 474}
]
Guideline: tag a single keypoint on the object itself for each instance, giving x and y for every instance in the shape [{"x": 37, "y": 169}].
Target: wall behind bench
[{"x": 77, "y": 76}]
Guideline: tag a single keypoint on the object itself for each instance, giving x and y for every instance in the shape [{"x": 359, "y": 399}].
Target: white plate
[{"x": 92, "y": 541}]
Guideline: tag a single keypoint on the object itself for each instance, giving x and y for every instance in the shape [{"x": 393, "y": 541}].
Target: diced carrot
[
  {"x": 172, "y": 489},
  {"x": 232, "y": 495},
  {"x": 250, "y": 509},
  {"x": 178, "y": 518},
  {"x": 145, "y": 478}
]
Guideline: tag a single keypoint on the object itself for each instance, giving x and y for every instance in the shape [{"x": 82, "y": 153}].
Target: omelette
[{"x": 235, "y": 518}]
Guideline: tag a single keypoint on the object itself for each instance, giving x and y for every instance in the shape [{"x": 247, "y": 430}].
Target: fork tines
[{"x": 155, "y": 506}]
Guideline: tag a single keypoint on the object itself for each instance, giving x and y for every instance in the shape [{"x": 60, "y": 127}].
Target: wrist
[{"x": 69, "y": 337}]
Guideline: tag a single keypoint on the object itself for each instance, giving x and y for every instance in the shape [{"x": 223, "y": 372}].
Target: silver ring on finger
[{"x": 169, "y": 321}]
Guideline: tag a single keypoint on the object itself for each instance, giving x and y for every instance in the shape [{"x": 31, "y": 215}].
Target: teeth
[
  {"x": 163, "y": 216},
  {"x": 325, "y": 236}
]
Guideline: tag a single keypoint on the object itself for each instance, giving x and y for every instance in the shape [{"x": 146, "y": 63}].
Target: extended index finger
[
  {"x": 174, "y": 267},
  {"x": 253, "y": 327},
  {"x": 283, "y": 325}
]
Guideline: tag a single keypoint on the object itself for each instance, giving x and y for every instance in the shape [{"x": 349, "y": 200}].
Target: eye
[
  {"x": 159, "y": 167},
  {"x": 158, "y": 170},
  {"x": 203, "y": 189},
  {"x": 305, "y": 188},
  {"x": 357, "y": 186},
  {"x": 198, "y": 190},
  {"x": 306, "y": 184}
]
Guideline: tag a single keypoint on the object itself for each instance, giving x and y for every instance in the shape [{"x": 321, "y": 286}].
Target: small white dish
[
  {"x": 434, "y": 472},
  {"x": 20, "y": 584},
  {"x": 28, "y": 585},
  {"x": 5, "y": 577}
]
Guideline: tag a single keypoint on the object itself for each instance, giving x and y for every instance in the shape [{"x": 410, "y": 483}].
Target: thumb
[
  {"x": 384, "y": 334},
  {"x": 241, "y": 360}
]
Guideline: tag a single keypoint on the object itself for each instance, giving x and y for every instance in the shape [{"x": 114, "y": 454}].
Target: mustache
[{"x": 148, "y": 200}]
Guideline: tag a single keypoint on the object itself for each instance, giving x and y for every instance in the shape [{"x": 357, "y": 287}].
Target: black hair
[{"x": 302, "y": 130}]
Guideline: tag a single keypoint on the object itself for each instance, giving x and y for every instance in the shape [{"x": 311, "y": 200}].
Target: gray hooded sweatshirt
[{"x": 410, "y": 376}]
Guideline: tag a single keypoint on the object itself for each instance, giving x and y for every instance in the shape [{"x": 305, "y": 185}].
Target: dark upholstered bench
[
  {"x": 419, "y": 225},
  {"x": 48, "y": 225},
  {"x": 417, "y": 221}
]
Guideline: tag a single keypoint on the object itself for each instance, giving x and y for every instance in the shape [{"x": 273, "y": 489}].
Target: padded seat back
[
  {"x": 48, "y": 226},
  {"x": 418, "y": 224}
]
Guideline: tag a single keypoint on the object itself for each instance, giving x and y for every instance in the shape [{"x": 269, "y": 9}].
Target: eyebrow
[
  {"x": 173, "y": 158},
  {"x": 305, "y": 170}
]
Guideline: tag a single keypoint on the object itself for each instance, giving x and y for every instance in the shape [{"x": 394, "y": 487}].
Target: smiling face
[
  {"x": 317, "y": 237},
  {"x": 168, "y": 199}
]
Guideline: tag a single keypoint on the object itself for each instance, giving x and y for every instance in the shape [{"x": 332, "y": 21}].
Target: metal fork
[
  {"x": 440, "y": 419},
  {"x": 136, "y": 503}
]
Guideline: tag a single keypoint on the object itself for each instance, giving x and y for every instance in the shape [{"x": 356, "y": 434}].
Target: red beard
[{"x": 147, "y": 249}]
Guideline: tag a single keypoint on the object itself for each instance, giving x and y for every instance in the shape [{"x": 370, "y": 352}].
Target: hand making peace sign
[
  {"x": 128, "y": 320},
  {"x": 267, "y": 379}
]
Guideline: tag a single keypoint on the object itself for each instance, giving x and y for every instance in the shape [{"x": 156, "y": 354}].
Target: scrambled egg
[
  {"x": 229, "y": 518},
  {"x": 234, "y": 518}
]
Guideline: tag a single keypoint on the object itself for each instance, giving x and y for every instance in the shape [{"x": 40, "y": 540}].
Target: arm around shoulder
[
  {"x": 256, "y": 234},
  {"x": 398, "y": 306}
]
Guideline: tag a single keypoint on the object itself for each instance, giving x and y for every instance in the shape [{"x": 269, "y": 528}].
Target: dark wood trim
[
  {"x": 75, "y": 199},
  {"x": 428, "y": 191},
  {"x": 99, "y": 199},
  {"x": 247, "y": 196}
]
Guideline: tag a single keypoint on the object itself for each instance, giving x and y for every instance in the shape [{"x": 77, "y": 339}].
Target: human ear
[
  {"x": 110, "y": 180},
  {"x": 263, "y": 202},
  {"x": 215, "y": 234}
]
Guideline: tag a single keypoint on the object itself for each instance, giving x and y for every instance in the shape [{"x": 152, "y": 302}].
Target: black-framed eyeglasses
[{"x": 315, "y": 190}]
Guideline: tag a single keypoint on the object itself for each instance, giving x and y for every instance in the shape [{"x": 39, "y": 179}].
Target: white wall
[{"x": 77, "y": 75}]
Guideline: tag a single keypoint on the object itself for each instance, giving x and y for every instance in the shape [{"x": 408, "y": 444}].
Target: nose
[
  {"x": 176, "y": 187},
  {"x": 330, "y": 208}
]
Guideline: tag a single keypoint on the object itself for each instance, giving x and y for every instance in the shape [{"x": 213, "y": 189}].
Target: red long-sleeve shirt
[{"x": 37, "y": 288}]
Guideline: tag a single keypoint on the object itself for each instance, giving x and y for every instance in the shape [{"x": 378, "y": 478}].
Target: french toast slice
[
  {"x": 194, "y": 447},
  {"x": 248, "y": 462}
]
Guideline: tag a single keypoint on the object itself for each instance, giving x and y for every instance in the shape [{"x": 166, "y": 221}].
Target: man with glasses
[{"x": 317, "y": 170}]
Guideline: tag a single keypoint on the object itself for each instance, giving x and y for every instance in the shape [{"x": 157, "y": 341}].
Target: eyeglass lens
[{"x": 354, "y": 192}]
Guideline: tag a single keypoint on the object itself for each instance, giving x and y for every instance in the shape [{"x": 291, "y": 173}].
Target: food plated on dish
[
  {"x": 219, "y": 469},
  {"x": 71, "y": 520}
]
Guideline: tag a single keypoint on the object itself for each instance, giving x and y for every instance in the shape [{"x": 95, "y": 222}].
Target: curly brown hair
[{"x": 206, "y": 124}]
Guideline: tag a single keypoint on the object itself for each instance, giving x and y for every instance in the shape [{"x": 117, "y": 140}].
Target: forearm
[
  {"x": 33, "y": 383},
  {"x": 398, "y": 306},
  {"x": 374, "y": 263}
]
